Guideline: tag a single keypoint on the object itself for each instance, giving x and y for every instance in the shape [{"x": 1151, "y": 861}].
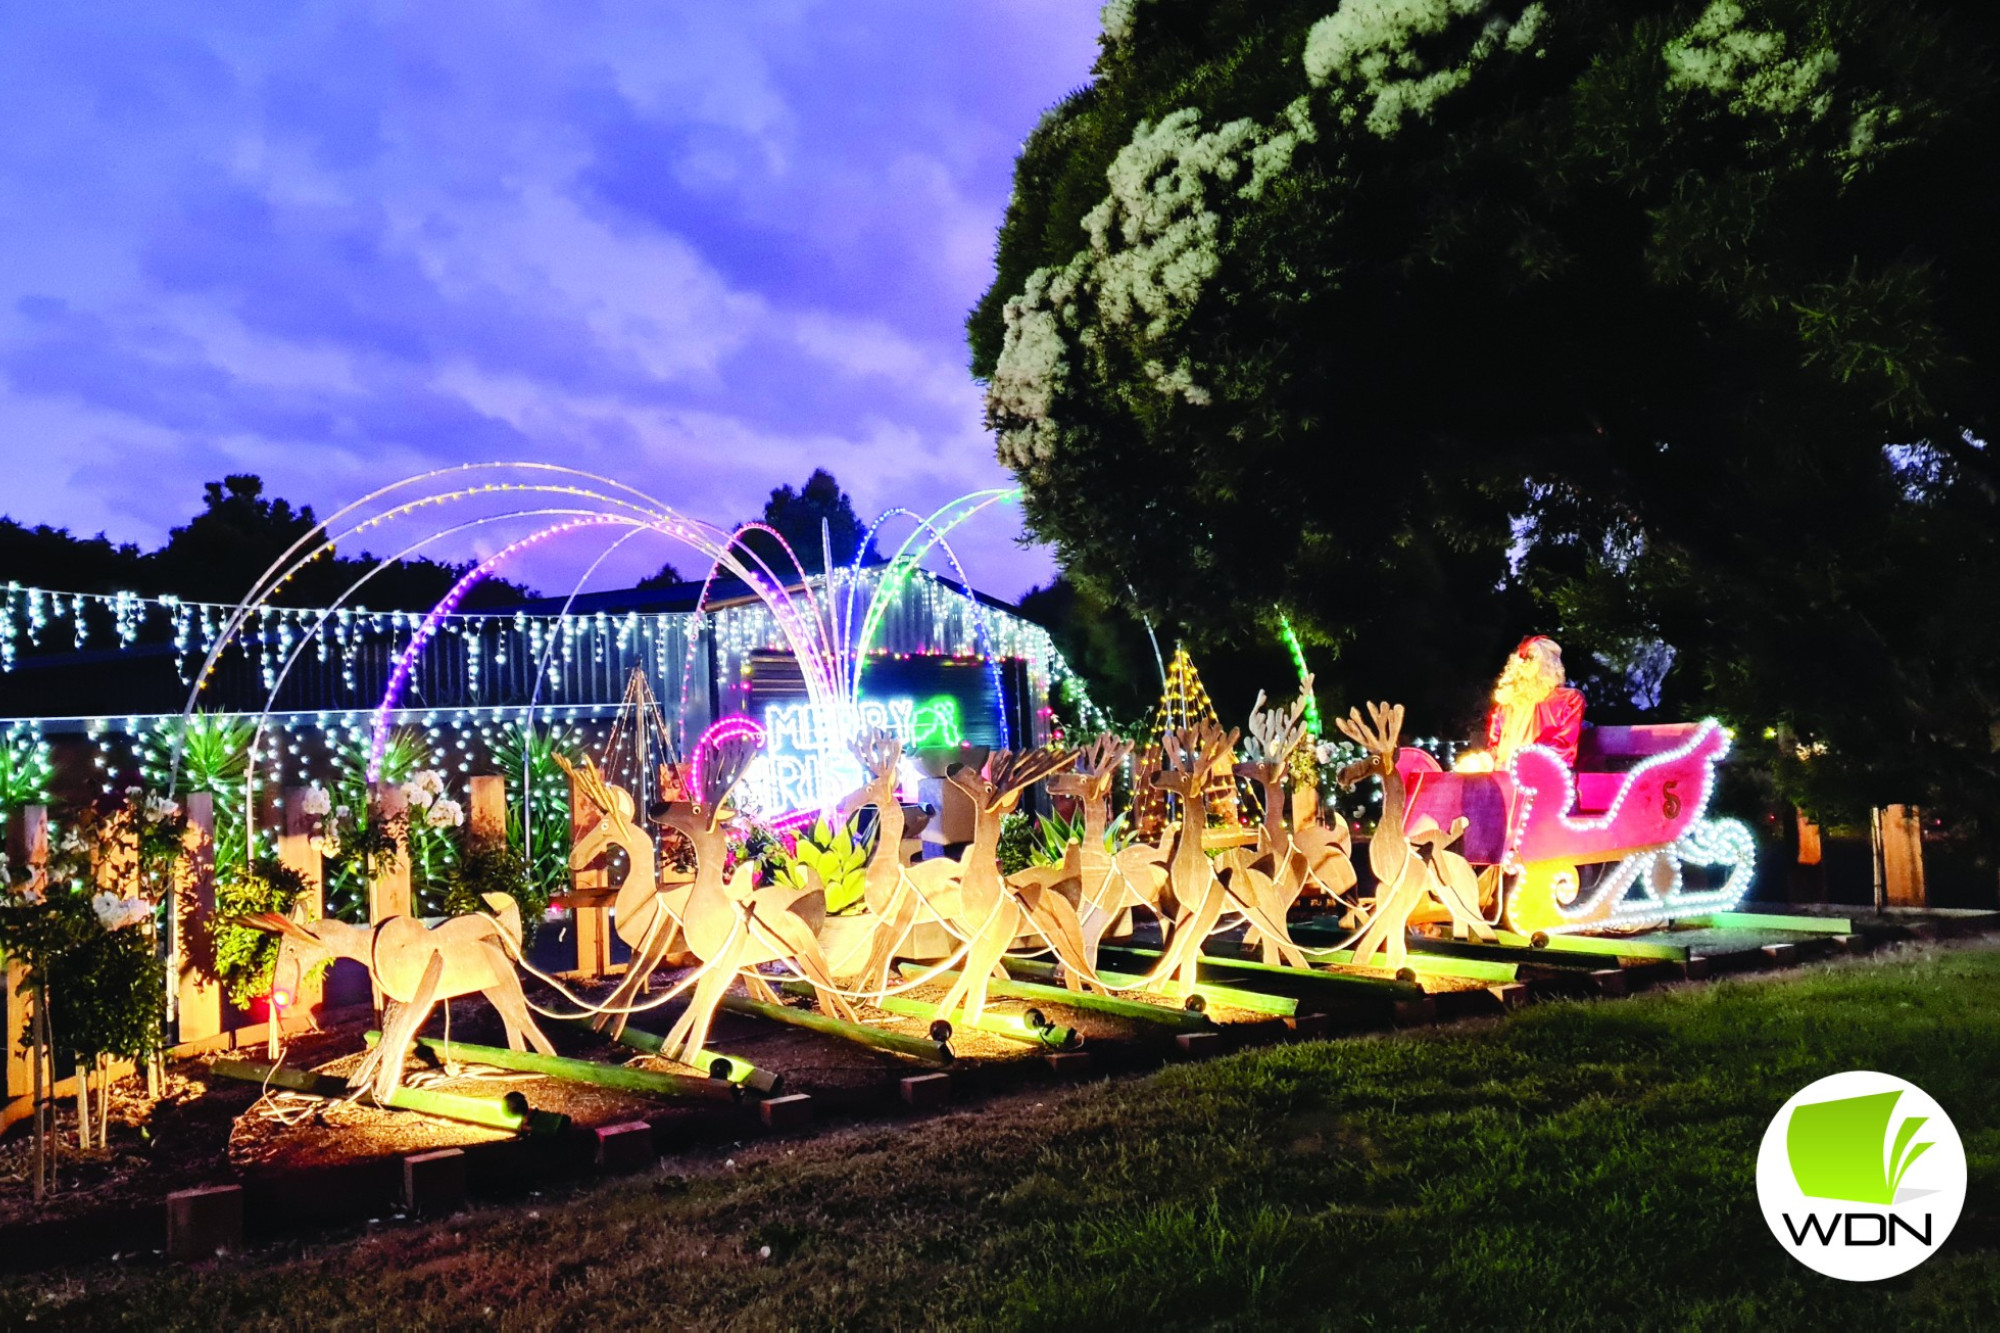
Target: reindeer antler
[
  {"x": 878, "y": 752},
  {"x": 1103, "y": 754},
  {"x": 725, "y": 769},
  {"x": 1275, "y": 732},
  {"x": 1191, "y": 754},
  {"x": 1012, "y": 774},
  {"x": 1383, "y": 737},
  {"x": 591, "y": 783}
]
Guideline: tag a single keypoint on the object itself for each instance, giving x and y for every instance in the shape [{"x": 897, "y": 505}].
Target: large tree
[
  {"x": 1658, "y": 326},
  {"x": 813, "y": 519}
]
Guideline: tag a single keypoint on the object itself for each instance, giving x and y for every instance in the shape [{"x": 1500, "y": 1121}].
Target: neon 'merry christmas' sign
[{"x": 807, "y": 766}]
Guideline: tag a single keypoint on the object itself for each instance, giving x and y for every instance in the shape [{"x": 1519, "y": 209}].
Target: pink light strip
[
  {"x": 734, "y": 727},
  {"x": 399, "y": 679}
]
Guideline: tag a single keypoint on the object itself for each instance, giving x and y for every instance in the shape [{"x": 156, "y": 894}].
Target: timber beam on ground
[
  {"x": 1322, "y": 983},
  {"x": 1182, "y": 1020},
  {"x": 733, "y": 1068},
  {"x": 623, "y": 1077},
  {"x": 510, "y": 1113},
  {"x": 1013, "y": 1027},
  {"x": 1251, "y": 1001},
  {"x": 916, "y": 1048}
]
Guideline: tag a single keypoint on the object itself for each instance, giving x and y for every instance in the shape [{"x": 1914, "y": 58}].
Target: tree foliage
[
  {"x": 1430, "y": 322},
  {"x": 811, "y": 519},
  {"x": 219, "y": 553}
]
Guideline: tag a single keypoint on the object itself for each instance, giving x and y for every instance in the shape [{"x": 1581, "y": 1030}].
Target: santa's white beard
[{"x": 1524, "y": 683}]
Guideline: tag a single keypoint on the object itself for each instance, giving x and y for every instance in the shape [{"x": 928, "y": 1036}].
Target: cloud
[{"x": 705, "y": 248}]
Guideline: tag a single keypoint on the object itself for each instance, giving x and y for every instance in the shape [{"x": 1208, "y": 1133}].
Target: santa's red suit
[{"x": 1557, "y": 724}]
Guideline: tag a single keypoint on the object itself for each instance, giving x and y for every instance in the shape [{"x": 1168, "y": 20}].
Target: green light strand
[{"x": 1298, "y": 651}]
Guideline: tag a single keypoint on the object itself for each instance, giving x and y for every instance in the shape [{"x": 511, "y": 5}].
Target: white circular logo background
[{"x": 1885, "y": 1192}]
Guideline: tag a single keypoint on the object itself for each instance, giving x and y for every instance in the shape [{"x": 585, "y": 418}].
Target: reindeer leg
[
  {"x": 757, "y": 988},
  {"x": 787, "y": 935},
  {"x": 1205, "y": 917},
  {"x": 899, "y": 919},
  {"x": 981, "y": 957},
  {"x": 708, "y": 992},
  {"x": 400, "y": 1032},
  {"x": 511, "y": 1004},
  {"x": 1060, "y": 926},
  {"x": 638, "y": 972}
]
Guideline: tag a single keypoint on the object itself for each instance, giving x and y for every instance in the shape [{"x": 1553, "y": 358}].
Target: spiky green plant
[
  {"x": 1054, "y": 834},
  {"x": 537, "y": 798},
  {"x": 208, "y": 753},
  {"x": 24, "y": 769},
  {"x": 837, "y": 857}
]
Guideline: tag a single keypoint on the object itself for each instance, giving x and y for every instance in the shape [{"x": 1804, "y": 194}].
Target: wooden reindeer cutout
[
  {"x": 730, "y": 924},
  {"x": 637, "y": 912},
  {"x": 1287, "y": 860},
  {"x": 1409, "y": 864},
  {"x": 1110, "y": 882},
  {"x": 1198, "y": 894},
  {"x": 896, "y": 909},
  {"x": 989, "y": 912},
  {"x": 416, "y": 968}
]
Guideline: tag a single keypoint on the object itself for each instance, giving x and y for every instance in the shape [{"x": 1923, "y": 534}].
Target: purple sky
[{"x": 703, "y": 248}]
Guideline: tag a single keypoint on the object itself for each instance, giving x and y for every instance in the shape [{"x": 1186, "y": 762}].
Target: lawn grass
[{"x": 1576, "y": 1165}]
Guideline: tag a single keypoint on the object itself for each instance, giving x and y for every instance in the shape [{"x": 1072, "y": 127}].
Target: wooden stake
[
  {"x": 84, "y": 1137},
  {"x": 38, "y": 1152}
]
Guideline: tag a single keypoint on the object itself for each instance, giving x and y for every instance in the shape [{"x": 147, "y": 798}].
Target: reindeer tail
[{"x": 507, "y": 915}]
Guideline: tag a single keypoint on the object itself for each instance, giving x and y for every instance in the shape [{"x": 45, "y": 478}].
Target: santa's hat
[{"x": 1530, "y": 644}]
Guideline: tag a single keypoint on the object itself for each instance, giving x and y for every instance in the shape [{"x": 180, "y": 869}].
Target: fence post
[
  {"x": 389, "y": 890},
  {"x": 295, "y": 851},
  {"x": 1903, "y": 856},
  {"x": 486, "y": 820},
  {"x": 27, "y": 844},
  {"x": 199, "y": 995},
  {"x": 588, "y": 889}
]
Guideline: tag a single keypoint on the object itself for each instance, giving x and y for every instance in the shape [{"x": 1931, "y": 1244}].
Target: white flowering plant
[
  {"x": 360, "y": 836},
  {"x": 94, "y": 975}
]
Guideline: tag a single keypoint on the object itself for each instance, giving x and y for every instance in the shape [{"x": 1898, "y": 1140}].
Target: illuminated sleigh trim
[
  {"x": 1710, "y": 842},
  {"x": 1650, "y": 810},
  {"x": 1655, "y": 828}
]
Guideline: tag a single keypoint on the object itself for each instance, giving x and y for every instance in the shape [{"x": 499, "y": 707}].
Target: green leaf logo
[{"x": 1841, "y": 1149}]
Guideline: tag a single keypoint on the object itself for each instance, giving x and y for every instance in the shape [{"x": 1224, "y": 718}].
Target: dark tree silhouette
[{"x": 799, "y": 517}]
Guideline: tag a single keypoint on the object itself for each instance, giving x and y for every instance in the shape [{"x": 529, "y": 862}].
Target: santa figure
[{"x": 1531, "y": 706}]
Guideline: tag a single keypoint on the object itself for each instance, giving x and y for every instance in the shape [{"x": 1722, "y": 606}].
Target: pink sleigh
[{"x": 1634, "y": 804}]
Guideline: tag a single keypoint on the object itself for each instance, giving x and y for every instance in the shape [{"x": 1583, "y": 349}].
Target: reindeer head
[
  {"x": 998, "y": 787},
  {"x": 1274, "y": 734},
  {"x": 300, "y": 950},
  {"x": 1379, "y": 740},
  {"x": 1096, "y": 768},
  {"x": 613, "y": 803},
  {"x": 1189, "y": 757},
  {"x": 880, "y": 755},
  {"x": 698, "y": 818}
]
